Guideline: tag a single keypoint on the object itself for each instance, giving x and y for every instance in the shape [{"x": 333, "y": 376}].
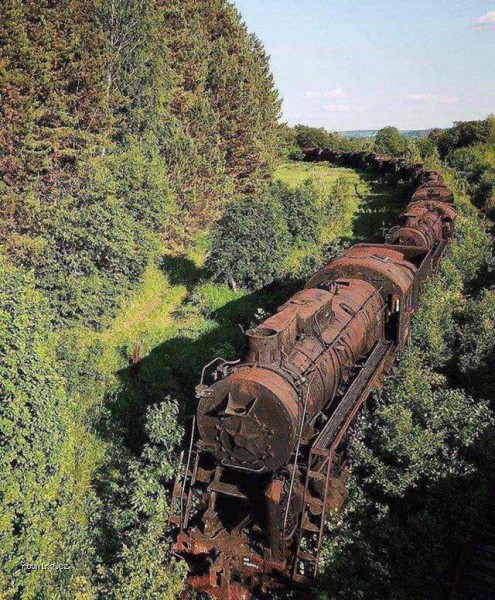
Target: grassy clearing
[
  {"x": 322, "y": 174},
  {"x": 374, "y": 208}
]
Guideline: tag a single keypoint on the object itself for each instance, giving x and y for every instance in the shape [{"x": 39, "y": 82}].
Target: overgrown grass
[
  {"x": 371, "y": 208},
  {"x": 322, "y": 174}
]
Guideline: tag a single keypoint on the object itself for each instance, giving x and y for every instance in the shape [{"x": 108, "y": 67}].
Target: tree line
[{"x": 126, "y": 128}]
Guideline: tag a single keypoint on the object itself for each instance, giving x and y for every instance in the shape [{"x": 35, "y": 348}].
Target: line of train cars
[{"x": 267, "y": 457}]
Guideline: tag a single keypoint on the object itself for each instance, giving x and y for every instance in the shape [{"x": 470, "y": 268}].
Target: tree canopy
[{"x": 389, "y": 141}]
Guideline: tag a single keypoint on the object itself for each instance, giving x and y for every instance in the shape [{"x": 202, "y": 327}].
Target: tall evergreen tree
[
  {"x": 53, "y": 111},
  {"x": 225, "y": 101},
  {"x": 245, "y": 97}
]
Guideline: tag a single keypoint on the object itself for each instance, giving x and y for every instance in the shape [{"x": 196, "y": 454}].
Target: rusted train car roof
[{"x": 386, "y": 263}]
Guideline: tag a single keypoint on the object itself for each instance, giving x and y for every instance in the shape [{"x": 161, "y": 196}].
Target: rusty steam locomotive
[{"x": 267, "y": 458}]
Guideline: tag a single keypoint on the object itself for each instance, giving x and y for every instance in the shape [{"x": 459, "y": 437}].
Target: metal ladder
[
  {"x": 313, "y": 516},
  {"x": 184, "y": 483}
]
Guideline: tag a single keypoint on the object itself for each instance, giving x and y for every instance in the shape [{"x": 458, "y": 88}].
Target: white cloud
[
  {"x": 486, "y": 21},
  {"x": 335, "y": 93},
  {"x": 341, "y": 108},
  {"x": 432, "y": 98}
]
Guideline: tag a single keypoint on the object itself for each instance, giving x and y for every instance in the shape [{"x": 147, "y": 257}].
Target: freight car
[{"x": 267, "y": 457}]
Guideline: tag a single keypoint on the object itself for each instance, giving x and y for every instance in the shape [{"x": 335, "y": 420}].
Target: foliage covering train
[{"x": 267, "y": 458}]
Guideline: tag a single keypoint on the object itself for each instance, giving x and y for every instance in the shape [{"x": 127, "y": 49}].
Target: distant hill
[{"x": 419, "y": 133}]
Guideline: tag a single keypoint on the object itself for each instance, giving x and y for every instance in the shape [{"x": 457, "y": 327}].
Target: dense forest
[
  {"x": 140, "y": 150},
  {"x": 126, "y": 128}
]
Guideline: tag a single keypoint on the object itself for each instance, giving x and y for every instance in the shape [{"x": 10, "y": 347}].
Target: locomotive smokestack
[{"x": 267, "y": 341}]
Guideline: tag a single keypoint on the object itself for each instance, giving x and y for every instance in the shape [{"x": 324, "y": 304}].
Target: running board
[{"x": 358, "y": 392}]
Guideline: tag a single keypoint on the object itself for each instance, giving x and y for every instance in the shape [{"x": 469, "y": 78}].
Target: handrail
[
  {"x": 293, "y": 476},
  {"x": 193, "y": 429}
]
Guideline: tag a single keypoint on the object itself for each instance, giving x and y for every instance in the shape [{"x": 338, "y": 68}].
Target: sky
[{"x": 362, "y": 64}]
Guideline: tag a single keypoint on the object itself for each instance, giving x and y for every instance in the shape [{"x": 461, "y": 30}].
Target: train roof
[{"x": 375, "y": 263}]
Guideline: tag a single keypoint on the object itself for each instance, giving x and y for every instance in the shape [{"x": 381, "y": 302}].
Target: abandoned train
[{"x": 267, "y": 458}]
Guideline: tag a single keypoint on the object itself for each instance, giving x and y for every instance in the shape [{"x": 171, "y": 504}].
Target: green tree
[
  {"x": 250, "y": 243},
  {"x": 89, "y": 197},
  {"x": 249, "y": 130},
  {"x": 301, "y": 207},
  {"x": 315, "y": 137},
  {"x": 53, "y": 111},
  {"x": 223, "y": 142},
  {"x": 389, "y": 140}
]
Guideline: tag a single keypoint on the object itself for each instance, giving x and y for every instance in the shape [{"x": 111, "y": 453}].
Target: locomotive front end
[{"x": 248, "y": 420}]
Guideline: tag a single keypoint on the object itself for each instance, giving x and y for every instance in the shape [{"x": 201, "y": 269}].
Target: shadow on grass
[
  {"x": 182, "y": 271},
  {"x": 173, "y": 368},
  {"x": 381, "y": 208}
]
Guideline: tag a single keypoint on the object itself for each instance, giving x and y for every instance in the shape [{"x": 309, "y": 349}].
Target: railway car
[{"x": 267, "y": 458}]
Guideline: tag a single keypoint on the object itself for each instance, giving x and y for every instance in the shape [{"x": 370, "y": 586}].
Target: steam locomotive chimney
[{"x": 267, "y": 341}]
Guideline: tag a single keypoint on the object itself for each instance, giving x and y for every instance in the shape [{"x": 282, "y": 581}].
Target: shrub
[
  {"x": 136, "y": 520},
  {"x": 302, "y": 212},
  {"x": 412, "y": 459},
  {"x": 411, "y": 431},
  {"x": 47, "y": 456},
  {"x": 250, "y": 243},
  {"x": 95, "y": 240},
  {"x": 478, "y": 332}
]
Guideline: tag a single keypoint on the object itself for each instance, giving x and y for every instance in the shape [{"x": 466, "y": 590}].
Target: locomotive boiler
[
  {"x": 267, "y": 457},
  {"x": 297, "y": 362}
]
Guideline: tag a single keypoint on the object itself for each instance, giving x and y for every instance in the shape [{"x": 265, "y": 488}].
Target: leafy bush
[
  {"x": 478, "y": 332},
  {"x": 93, "y": 243},
  {"x": 138, "y": 503},
  {"x": 250, "y": 243},
  {"x": 464, "y": 134},
  {"x": 413, "y": 457},
  {"x": 468, "y": 147},
  {"x": 319, "y": 137},
  {"x": 314, "y": 137},
  {"x": 477, "y": 165},
  {"x": 411, "y": 429},
  {"x": 47, "y": 458},
  {"x": 302, "y": 211}
]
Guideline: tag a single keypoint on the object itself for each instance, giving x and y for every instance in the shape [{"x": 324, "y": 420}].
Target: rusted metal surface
[
  {"x": 250, "y": 418},
  {"x": 433, "y": 190},
  {"x": 423, "y": 224},
  {"x": 266, "y": 461},
  {"x": 382, "y": 267},
  {"x": 229, "y": 591}
]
